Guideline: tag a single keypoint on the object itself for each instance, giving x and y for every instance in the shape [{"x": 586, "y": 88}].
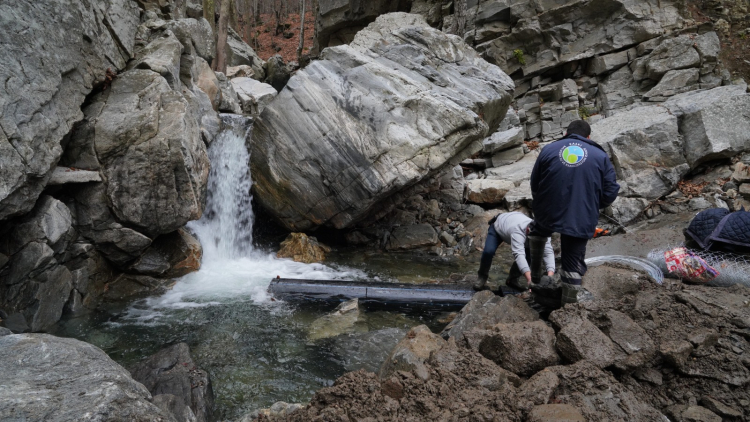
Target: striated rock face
[
  {"x": 370, "y": 119},
  {"x": 53, "y": 54},
  {"x": 60, "y": 379}
]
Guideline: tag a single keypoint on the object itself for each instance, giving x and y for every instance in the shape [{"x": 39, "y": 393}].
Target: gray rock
[
  {"x": 162, "y": 55},
  {"x": 617, "y": 91},
  {"x": 608, "y": 63},
  {"x": 340, "y": 321},
  {"x": 254, "y": 96},
  {"x": 712, "y": 122},
  {"x": 170, "y": 255},
  {"x": 172, "y": 371},
  {"x": 411, "y": 353},
  {"x": 699, "y": 414},
  {"x": 522, "y": 348},
  {"x": 395, "y": 107},
  {"x": 508, "y": 156},
  {"x": 519, "y": 196},
  {"x": 96, "y": 388},
  {"x": 65, "y": 175},
  {"x": 239, "y": 53},
  {"x": 195, "y": 35},
  {"x": 411, "y": 237},
  {"x": 96, "y": 223},
  {"x": 672, "y": 54},
  {"x": 646, "y": 150},
  {"x": 485, "y": 310},
  {"x": 580, "y": 339},
  {"x": 39, "y": 102},
  {"x": 338, "y": 20},
  {"x": 156, "y": 176},
  {"x": 516, "y": 172},
  {"x": 5, "y": 332},
  {"x": 173, "y": 405},
  {"x": 277, "y": 74},
  {"x": 499, "y": 141},
  {"x": 674, "y": 82},
  {"x": 487, "y": 191},
  {"x": 625, "y": 210},
  {"x": 33, "y": 283},
  {"x": 229, "y": 99}
]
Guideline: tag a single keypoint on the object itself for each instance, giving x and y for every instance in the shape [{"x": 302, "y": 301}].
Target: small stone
[
  {"x": 699, "y": 414},
  {"x": 555, "y": 413},
  {"x": 676, "y": 352}
]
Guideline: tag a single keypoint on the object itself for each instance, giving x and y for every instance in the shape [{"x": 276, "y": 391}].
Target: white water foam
[{"x": 232, "y": 270}]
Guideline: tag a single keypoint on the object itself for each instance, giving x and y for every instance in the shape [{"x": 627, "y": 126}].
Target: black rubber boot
[
  {"x": 536, "y": 261},
  {"x": 481, "y": 283}
]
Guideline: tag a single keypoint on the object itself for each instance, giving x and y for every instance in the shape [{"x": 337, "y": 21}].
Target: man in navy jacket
[{"x": 572, "y": 179}]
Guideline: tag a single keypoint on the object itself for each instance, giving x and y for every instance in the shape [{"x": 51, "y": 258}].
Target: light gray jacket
[{"x": 511, "y": 227}]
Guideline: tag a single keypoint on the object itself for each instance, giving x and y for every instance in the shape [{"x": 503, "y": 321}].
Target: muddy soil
[{"x": 695, "y": 365}]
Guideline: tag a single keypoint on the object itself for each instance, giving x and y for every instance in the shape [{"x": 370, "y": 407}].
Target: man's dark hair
[{"x": 579, "y": 127}]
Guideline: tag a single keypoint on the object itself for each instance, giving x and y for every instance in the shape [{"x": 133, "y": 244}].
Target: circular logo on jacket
[{"x": 573, "y": 155}]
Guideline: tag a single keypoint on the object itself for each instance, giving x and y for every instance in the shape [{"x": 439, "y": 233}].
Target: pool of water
[{"x": 259, "y": 350}]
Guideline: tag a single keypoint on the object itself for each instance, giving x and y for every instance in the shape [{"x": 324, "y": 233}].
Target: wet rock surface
[
  {"x": 172, "y": 371},
  {"x": 67, "y": 379}
]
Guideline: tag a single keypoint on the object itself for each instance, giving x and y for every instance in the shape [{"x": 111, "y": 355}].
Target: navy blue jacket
[{"x": 572, "y": 179}]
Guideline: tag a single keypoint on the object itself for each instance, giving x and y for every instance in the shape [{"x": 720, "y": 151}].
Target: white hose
[{"x": 631, "y": 261}]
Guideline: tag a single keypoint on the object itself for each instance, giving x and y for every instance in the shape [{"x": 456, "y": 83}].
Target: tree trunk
[
  {"x": 220, "y": 61},
  {"x": 301, "y": 32}
]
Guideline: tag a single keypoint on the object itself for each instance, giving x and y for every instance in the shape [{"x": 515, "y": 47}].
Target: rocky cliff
[{"x": 106, "y": 113}]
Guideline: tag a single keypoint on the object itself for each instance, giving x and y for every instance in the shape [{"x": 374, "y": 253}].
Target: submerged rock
[
  {"x": 61, "y": 379},
  {"x": 340, "y": 321},
  {"x": 370, "y": 119},
  {"x": 172, "y": 371}
]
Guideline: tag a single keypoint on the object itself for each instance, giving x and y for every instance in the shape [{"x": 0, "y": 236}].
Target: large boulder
[
  {"x": 171, "y": 371},
  {"x": 485, "y": 310},
  {"x": 411, "y": 353},
  {"x": 34, "y": 285},
  {"x": 156, "y": 175},
  {"x": 646, "y": 150},
  {"x": 239, "y": 53},
  {"x": 370, "y": 119},
  {"x": 713, "y": 123},
  {"x": 53, "y": 52},
  {"x": 61, "y": 379},
  {"x": 552, "y": 33},
  {"x": 338, "y": 21},
  {"x": 521, "y": 347}
]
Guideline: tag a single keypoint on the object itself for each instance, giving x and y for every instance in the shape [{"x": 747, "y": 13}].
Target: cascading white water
[
  {"x": 226, "y": 229},
  {"x": 231, "y": 268}
]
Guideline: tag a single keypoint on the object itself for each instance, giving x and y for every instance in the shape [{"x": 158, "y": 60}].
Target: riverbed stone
[
  {"x": 336, "y": 323},
  {"x": 394, "y": 107},
  {"x": 303, "y": 248},
  {"x": 170, "y": 255},
  {"x": 172, "y": 371},
  {"x": 50, "y": 66},
  {"x": 33, "y": 366},
  {"x": 485, "y": 310},
  {"x": 522, "y": 348},
  {"x": 411, "y": 353},
  {"x": 413, "y": 236}
]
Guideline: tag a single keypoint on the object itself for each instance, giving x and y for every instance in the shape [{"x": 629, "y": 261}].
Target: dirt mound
[{"x": 675, "y": 350}]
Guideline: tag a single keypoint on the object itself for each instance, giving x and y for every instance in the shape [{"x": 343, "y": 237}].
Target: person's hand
[
  {"x": 550, "y": 273},
  {"x": 527, "y": 274}
]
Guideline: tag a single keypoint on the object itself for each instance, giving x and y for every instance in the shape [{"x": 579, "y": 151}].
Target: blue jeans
[{"x": 490, "y": 247}]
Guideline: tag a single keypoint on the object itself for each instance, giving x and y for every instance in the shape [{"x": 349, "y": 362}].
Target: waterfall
[
  {"x": 231, "y": 269},
  {"x": 226, "y": 228}
]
